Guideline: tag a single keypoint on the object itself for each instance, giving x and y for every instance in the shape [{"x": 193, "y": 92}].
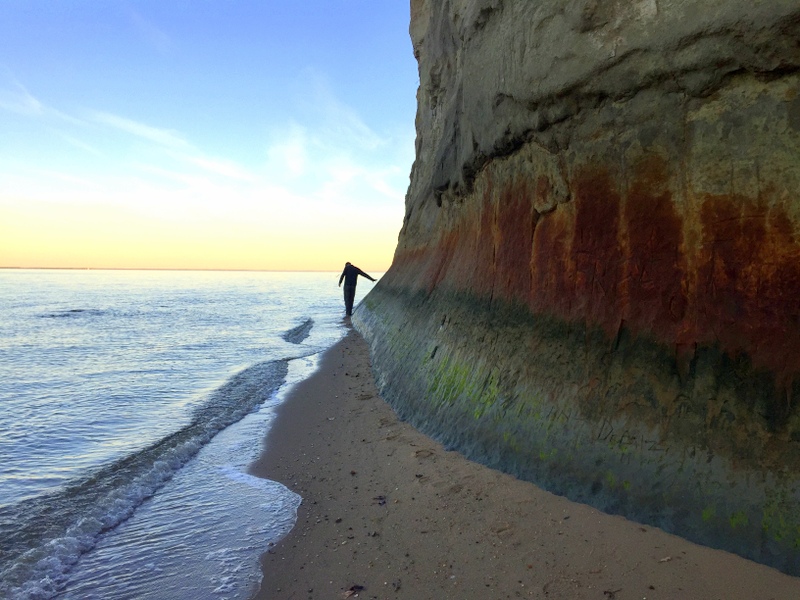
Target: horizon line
[{"x": 169, "y": 269}]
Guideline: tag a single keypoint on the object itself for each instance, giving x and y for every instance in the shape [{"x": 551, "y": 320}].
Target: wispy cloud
[
  {"x": 20, "y": 100},
  {"x": 177, "y": 146},
  {"x": 290, "y": 152},
  {"x": 330, "y": 117},
  {"x": 335, "y": 175},
  {"x": 346, "y": 124},
  {"x": 334, "y": 157},
  {"x": 391, "y": 182},
  {"x": 80, "y": 144},
  {"x": 185, "y": 179},
  {"x": 154, "y": 35},
  {"x": 222, "y": 167},
  {"x": 16, "y": 98},
  {"x": 336, "y": 119},
  {"x": 163, "y": 137}
]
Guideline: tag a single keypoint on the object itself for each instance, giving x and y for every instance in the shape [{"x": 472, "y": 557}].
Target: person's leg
[{"x": 349, "y": 297}]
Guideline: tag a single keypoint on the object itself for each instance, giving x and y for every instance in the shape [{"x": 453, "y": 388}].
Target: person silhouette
[{"x": 350, "y": 276}]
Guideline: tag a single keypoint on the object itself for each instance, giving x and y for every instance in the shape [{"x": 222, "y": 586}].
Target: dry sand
[{"x": 388, "y": 513}]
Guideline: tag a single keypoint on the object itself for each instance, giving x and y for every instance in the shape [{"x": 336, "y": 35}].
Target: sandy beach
[{"x": 389, "y": 513}]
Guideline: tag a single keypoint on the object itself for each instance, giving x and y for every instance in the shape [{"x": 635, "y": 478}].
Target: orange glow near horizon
[{"x": 62, "y": 235}]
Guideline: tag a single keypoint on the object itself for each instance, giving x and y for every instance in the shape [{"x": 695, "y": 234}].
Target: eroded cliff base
[{"x": 587, "y": 418}]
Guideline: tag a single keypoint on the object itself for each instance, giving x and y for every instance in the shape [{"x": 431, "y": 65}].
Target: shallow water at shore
[
  {"x": 133, "y": 403},
  {"x": 212, "y": 515}
]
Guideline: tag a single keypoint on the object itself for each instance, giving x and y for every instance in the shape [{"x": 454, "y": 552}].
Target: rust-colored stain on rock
[
  {"x": 596, "y": 253},
  {"x": 655, "y": 273},
  {"x": 552, "y": 286},
  {"x": 748, "y": 283},
  {"x": 610, "y": 259},
  {"x": 515, "y": 223}
]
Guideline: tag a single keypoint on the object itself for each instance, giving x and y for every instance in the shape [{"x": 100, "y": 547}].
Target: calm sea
[{"x": 131, "y": 403}]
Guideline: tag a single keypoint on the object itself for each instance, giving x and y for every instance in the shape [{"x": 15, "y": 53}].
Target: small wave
[
  {"x": 42, "y": 539},
  {"x": 74, "y": 312},
  {"x": 297, "y": 334}
]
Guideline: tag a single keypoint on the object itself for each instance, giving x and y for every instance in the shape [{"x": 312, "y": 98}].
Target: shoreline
[{"x": 388, "y": 513}]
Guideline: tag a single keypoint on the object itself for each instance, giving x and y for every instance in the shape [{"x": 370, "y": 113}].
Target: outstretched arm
[{"x": 360, "y": 272}]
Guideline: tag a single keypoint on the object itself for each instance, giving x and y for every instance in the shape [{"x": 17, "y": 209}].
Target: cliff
[{"x": 597, "y": 282}]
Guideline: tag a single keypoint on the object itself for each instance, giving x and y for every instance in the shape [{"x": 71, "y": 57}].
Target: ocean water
[{"x": 131, "y": 404}]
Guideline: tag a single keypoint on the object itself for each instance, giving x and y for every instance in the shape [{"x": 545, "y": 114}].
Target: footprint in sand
[{"x": 503, "y": 530}]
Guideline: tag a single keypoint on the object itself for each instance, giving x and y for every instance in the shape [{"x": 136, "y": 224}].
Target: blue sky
[{"x": 204, "y": 134}]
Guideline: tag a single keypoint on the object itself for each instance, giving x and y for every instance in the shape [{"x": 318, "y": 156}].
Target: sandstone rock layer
[{"x": 597, "y": 282}]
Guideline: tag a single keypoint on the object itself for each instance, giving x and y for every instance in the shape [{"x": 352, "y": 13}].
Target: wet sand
[{"x": 388, "y": 513}]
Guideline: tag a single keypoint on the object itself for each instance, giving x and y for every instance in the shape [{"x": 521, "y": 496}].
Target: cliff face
[{"x": 597, "y": 282}]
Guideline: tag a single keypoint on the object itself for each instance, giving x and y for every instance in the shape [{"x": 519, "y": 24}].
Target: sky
[{"x": 210, "y": 134}]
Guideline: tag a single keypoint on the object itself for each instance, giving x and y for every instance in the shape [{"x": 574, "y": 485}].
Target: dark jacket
[{"x": 351, "y": 273}]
